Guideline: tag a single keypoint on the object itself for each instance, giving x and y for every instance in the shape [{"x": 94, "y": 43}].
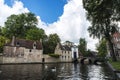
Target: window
[
  {"x": 68, "y": 56},
  {"x": 17, "y": 44},
  {"x": 68, "y": 52},
  {"x": 30, "y": 50}
]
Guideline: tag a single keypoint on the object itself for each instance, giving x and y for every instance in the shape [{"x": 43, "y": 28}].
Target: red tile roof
[{"x": 25, "y": 43}]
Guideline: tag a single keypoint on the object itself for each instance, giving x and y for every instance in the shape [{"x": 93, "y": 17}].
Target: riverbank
[{"x": 115, "y": 67}]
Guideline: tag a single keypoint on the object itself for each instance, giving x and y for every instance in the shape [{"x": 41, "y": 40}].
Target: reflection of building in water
[{"x": 67, "y": 51}]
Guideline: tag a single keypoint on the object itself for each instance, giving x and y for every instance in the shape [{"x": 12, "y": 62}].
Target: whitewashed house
[
  {"x": 68, "y": 52},
  {"x": 75, "y": 54}
]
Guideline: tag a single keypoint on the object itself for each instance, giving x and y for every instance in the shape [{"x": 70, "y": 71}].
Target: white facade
[
  {"x": 66, "y": 56},
  {"x": 75, "y": 52},
  {"x": 67, "y": 53}
]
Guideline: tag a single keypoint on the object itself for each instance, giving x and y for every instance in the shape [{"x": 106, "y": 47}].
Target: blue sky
[{"x": 48, "y": 10}]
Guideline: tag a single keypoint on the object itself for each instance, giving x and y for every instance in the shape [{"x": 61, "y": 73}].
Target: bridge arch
[{"x": 82, "y": 61}]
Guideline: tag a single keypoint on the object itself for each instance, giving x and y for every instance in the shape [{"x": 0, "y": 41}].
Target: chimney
[{"x": 13, "y": 40}]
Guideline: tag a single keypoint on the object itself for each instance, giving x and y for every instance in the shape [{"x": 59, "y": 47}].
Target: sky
[{"x": 64, "y": 17}]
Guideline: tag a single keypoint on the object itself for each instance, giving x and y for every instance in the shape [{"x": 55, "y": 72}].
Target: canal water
[{"x": 62, "y": 71}]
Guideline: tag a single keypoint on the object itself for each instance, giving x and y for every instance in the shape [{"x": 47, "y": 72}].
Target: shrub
[{"x": 54, "y": 55}]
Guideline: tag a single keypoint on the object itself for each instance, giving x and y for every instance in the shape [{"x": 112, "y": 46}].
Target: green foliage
[
  {"x": 35, "y": 34},
  {"x": 116, "y": 65},
  {"x": 0, "y": 30},
  {"x": 102, "y": 48},
  {"x": 25, "y": 26},
  {"x": 2, "y": 42},
  {"x": 54, "y": 55},
  {"x": 100, "y": 14},
  {"x": 103, "y": 15},
  {"x": 83, "y": 46},
  {"x": 50, "y": 43},
  {"x": 18, "y": 25}
]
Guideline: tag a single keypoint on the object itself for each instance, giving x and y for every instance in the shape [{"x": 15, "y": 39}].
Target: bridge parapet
[{"x": 93, "y": 60}]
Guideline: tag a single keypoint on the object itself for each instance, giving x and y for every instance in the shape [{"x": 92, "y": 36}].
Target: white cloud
[
  {"x": 71, "y": 26},
  {"x": 6, "y": 11}
]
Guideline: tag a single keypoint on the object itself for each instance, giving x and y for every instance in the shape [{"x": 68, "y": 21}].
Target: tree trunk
[{"x": 112, "y": 50}]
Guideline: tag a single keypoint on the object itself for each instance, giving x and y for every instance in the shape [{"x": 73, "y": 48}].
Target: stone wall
[
  {"x": 32, "y": 59},
  {"x": 50, "y": 59},
  {"x": 21, "y": 55}
]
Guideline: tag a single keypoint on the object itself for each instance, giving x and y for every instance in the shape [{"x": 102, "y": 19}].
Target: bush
[{"x": 54, "y": 55}]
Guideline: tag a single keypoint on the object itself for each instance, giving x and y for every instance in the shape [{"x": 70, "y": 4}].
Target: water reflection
[{"x": 63, "y": 71}]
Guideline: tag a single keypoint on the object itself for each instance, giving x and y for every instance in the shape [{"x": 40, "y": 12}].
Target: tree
[
  {"x": 18, "y": 25},
  {"x": 102, "y": 48},
  {"x": 50, "y": 43},
  {"x": 83, "y": 46},
  {"x": 0, "y": 30},
  {"x": 103, "y": 15},
  {"x": 2, "y": 42},
  {"x": 35, "y": 34}
]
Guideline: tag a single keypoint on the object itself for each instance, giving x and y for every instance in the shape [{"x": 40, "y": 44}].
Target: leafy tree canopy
[
  {"x": 18, "y": 25},
  {"x": 103, "y": 15},
  {"x": 50, "y": 43},
  {"x": 35, "y": 34},
  {"x": 3, "y": 40},
  {"x": 82, "y": 46},
  {"x": 102, "y": 48}
]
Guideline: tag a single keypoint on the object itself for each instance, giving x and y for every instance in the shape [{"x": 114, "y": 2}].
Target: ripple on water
[{"x": 64, "y": 71}]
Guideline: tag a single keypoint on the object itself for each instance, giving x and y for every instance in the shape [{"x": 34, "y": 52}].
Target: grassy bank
[{"x": 116, "y": 65}]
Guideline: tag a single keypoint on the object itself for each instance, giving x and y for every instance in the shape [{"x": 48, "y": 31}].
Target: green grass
[{"x": 116, "y": 65}]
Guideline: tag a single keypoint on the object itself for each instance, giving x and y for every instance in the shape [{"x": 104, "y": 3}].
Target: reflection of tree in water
[
  {"x": 83, "y": 71},
  {"x": 64, "y": 71},
  {"x": 107, "y": 72},
  {"x": 47, "y": 73}
]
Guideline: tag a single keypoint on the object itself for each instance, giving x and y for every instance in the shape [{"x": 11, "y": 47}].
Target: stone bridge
[{"x": 91, "y": 60}]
